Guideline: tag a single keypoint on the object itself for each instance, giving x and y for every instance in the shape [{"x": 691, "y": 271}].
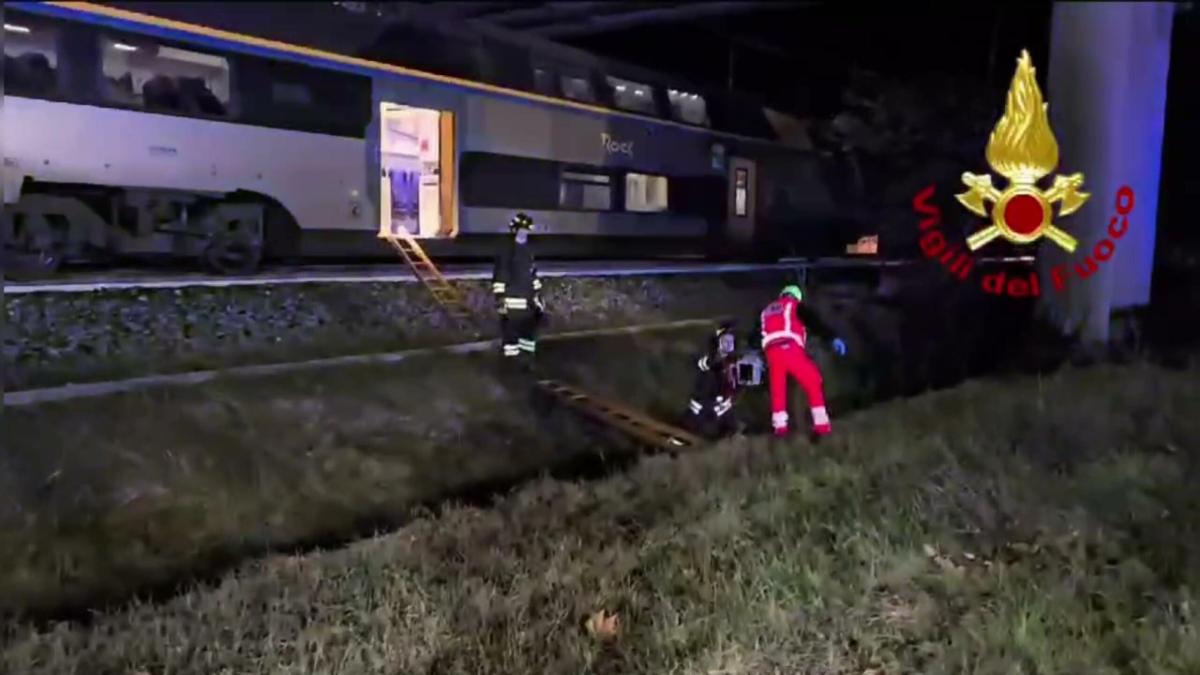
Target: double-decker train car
[{"x": 129, "y": 135}]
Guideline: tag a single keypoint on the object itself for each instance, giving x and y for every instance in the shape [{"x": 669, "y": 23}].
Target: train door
[
  {"x": 416, "y": 160},
  {"x": 742, "y": 201}
]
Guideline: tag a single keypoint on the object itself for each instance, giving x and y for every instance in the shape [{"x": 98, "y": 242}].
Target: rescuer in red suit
[{"x": 784, "y": 327}]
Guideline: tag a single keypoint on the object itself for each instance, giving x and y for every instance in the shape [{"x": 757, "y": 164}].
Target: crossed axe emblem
[{"x": 1022, "y": 213}]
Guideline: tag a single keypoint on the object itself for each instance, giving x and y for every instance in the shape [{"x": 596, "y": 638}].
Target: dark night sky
[
  {"x": 902, "y": 40},
  {"x": 821, "y": 43}
]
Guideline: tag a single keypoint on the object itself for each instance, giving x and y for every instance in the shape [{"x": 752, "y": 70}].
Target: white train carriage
[{"x": 130, "y": 136}]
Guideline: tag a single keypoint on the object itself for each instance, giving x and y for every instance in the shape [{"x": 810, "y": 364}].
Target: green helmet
[{"x": 793, "y": 291}]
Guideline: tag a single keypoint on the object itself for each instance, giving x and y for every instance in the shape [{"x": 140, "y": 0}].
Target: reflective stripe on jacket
[{"x": 780, "y": 322}]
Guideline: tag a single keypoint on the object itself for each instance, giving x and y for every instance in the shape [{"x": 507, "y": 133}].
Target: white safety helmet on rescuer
[{"x": 794, "y": 291}]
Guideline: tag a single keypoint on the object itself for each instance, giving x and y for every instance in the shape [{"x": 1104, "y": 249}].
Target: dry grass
[{"x": 1022, "y": 526}]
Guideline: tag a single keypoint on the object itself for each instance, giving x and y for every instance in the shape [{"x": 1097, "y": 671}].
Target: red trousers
[{"x": 788, "y": 359}]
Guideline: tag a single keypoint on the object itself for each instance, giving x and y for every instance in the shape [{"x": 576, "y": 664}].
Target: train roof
[{"x": 496, "y": 60}]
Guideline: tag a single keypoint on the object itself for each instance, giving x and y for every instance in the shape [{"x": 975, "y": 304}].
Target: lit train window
[
  {"x": 585, "y": 192},
  {"x": 689, "y": 108},
  {"x": 543, "y": 81},
  {"x": 645, "y": 194},
  {"x": 633, "y": 96},
  {"x": 145, "y": 74},
  {"x": 578, "y": 89},
  {"x": 30, "y": 56},
  {"x": 740, "y": 193}
]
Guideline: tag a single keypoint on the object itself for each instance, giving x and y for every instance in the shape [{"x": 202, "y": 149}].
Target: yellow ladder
[
  {"x": 448, "y": 298},
  {"x": 632, "y": 422}
]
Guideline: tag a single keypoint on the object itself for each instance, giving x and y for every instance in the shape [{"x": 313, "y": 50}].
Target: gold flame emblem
[{"x": 1022, "y": 148}]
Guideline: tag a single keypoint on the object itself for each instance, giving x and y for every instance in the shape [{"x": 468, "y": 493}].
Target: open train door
[
  {"x": 742, "y": 203},
  {"x": 417, "y": 197},
  {"x": 416, "y": 159}
]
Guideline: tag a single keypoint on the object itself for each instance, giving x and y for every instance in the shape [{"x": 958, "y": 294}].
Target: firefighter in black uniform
[
  {"x": 517, "y": 289},
  {"x": 711, "y": 407}
]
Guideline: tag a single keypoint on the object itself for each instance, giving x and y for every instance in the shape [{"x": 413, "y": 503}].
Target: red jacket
[{"x": 780, "y": 322}]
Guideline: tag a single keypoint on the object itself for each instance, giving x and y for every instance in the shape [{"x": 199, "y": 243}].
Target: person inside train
[
  {"x": 162, "y": 93},
  {"x": 198, "y": 98},
  {"x": 30, "y": 74},
  {"x": 518, "y": 293}
]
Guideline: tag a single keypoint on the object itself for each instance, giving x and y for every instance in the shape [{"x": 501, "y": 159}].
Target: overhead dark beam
[
  {"x": 751, "y": 43},
  {"x": 552, "y": 12},
  {"x": 455, "y": 9},
  {"x": 682, "y": 12}
]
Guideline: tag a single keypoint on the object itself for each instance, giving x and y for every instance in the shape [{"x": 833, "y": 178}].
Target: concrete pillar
[{"x": 1107, "y": 90}]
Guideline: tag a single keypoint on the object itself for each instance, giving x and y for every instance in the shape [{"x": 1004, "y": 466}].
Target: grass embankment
[
  {"x": 120, "y": 493},
  {"x": 1046, "y": 526}
]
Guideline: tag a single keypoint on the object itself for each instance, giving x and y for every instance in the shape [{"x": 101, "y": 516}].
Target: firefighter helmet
[
  {"x": 725, "y": 338},
  {"x": 793, "y": 291},
  {"x": 520, "y": 221}
]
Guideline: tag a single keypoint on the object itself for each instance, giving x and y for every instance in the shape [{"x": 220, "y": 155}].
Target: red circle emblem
[{"x": 1023, "y": 214}]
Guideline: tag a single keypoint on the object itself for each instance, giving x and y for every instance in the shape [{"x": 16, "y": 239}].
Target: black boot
[
  {"x": 509, "y": 367},
  {"x": 727, "y": 425}
]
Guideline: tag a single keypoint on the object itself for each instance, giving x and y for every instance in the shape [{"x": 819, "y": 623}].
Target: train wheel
[
  {"x": 29, "y": 265},
  {"x": 281, "y": 235},
  {"x": 33, "y": 241},
  {"x": 231, "y": 254}
]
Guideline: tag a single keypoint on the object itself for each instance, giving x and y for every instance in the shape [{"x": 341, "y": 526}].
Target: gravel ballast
[{"x": 57, "y": 338}]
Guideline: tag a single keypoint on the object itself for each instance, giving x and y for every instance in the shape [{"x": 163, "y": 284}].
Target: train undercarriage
[{"x": 53, "y": 224}]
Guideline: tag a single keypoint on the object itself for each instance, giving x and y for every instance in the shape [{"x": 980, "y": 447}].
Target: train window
[
  {"x": 292, "y": 96},
  {"x": 502, "y": 181},
  {"x": 156, "y": 77},
  {"x": 543, "y": 81},
  {"x": 577, "y": 88},
  {"x": 505, "y": 65},
  {"x": 585, "y": 191},
  {"x": 645, "y": 194},
  {"x": 289, "y": 93},
  {"x": 30, "y": 56},
  {"x": 633, "y": 96},
  {"x": 689, "y": 108},
  {"x": 741, "y": 179}
]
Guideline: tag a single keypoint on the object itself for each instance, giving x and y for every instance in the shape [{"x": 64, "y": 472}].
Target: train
[{"x": 130, "y": 136}]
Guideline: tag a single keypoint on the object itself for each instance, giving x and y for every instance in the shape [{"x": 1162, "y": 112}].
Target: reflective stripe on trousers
[
  {"x": 720, "y": 406},
  {"x": 820, "y": 416}
]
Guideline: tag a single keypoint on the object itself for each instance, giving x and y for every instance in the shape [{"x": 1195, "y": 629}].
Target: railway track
[{"x": 86, "y": 282}]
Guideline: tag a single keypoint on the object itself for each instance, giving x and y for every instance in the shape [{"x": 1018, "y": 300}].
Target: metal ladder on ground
[
  {"x": 448, "y": 298},
  {"x": 632, "y": 422}
]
